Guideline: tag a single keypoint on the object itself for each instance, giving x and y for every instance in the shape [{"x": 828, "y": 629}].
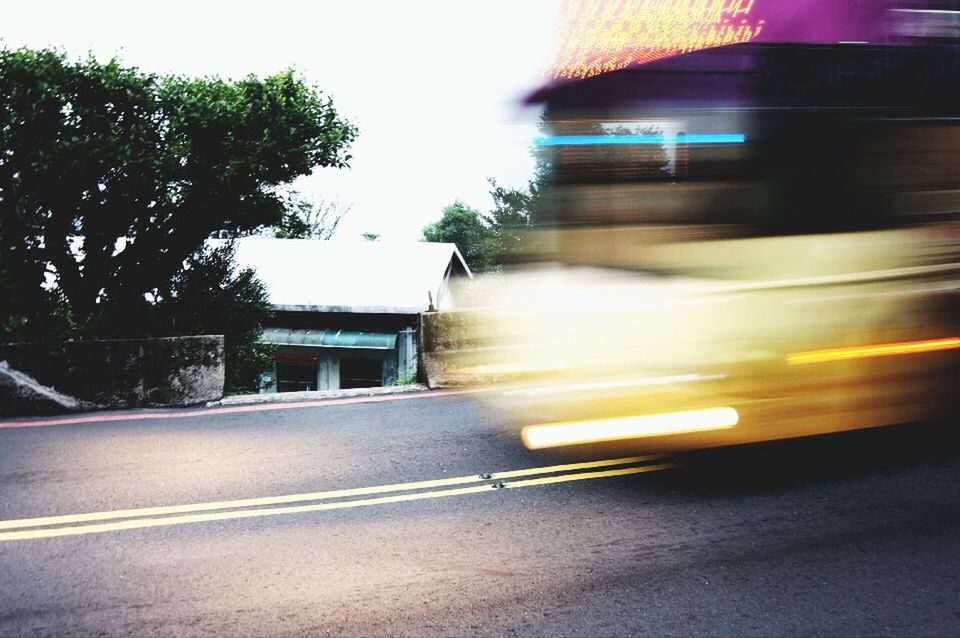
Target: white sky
[{"x": 433, "y": 85}]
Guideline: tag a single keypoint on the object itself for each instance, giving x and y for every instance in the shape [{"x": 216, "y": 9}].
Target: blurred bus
[{"x": 744, "y": 243}]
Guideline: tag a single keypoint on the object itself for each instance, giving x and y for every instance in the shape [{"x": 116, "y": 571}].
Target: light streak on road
[
  {"x": 549, "y": 435},
  {"x": 593, "y": 386},
  {"x": 875, "y": 350}
]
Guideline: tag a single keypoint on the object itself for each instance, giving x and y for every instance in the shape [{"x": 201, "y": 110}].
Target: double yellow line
[{"x": 115, "y": 520}]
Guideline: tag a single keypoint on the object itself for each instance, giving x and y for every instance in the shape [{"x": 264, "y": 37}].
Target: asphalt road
[{"x": 843, "y": 536}]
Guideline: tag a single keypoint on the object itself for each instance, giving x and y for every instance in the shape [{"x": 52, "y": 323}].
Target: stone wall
[{"x": 124, "y": 373}]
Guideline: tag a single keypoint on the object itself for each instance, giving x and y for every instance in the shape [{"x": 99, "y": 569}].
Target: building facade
[{"x": 345, "y": 313}]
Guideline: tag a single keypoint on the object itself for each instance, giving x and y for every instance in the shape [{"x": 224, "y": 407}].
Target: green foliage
[
  {"x": 408, "y": 378},
  {"x": 28, "y": 314},
  {"x": 512, "y": 215},
  {"x": 211, "y": 296},
  {"x": 488, "y": 241},
  {"x": 463, "y": 226},
  {"x": 111, "y": 179},
  {"x": 144, "y": 169}
]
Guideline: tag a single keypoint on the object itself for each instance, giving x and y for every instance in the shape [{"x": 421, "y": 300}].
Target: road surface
[{"x": 423, "y": 515}]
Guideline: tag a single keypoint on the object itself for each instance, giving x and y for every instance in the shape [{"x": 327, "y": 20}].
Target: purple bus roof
[
  {"x": 904, "y": 78},
  {"x": 810, "y": 22},
  {"x": 822, "y": 21}
]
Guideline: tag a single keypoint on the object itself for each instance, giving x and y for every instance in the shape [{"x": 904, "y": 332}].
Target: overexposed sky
[{"x": 433, "y": 85}]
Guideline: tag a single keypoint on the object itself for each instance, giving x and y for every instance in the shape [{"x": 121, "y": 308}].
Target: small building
[{"x": 345, "y": 313}]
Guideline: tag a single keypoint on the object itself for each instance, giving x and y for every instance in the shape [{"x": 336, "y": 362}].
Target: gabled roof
[{"x": 352, "y": 276}]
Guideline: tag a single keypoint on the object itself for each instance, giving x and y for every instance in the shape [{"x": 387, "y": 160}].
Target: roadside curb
[
  {"x": 306, "y": 400},
  {"x": 320, "y": 395}
]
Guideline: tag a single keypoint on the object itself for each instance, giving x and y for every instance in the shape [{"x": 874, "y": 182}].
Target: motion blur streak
[
  {"x": 536, "y": 437},
  {"x": 618, "y": 383},
  {"x": 514, "y": 367},
  {"x": 599, "y": 140},
  {"x": 827, "y": 229},
  {"x": 879, "y": 350},
  {"x": 930, "y": 11}
]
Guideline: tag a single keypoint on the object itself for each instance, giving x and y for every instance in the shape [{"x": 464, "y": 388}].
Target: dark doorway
[
  {"x": 361, "y": 373},
  {"x": 296, "y": 376}
]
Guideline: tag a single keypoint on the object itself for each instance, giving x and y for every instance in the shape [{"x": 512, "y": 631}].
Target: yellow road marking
[
  {"x": 309, "y": 496},
  {"x": 550, "y": 469},
  {"x": 141, "y": 523},
  {"x": 546, "y": 480}
]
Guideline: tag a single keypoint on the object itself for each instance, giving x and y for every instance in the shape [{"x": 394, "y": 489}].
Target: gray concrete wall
[
  {"x": 407, "y": 353},
  {"x": 446, "y": 347},
  {"x": 328, "y": 374},
  {"x": 123, "y": 373}
]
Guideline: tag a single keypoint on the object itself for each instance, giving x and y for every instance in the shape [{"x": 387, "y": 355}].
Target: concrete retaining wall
[
  {"x": 447, "y": 343},
  {"x": 124, "y": 373}
]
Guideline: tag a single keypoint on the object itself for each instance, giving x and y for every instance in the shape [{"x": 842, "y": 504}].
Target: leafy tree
[
  {"x": 29, "y": 311},
  {"x": 490, "y": 240},
  {"x": 513, "y": 213},
  {"x": 211, "y": 296},
  {"x": 463, "y": 226},
  {"x": 110, "y": 178}
]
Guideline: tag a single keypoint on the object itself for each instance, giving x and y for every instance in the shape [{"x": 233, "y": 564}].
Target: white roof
[{"x": 352, "y": 276}]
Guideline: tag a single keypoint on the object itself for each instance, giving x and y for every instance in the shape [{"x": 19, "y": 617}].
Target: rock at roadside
[{"x": 22, "y": 395}]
